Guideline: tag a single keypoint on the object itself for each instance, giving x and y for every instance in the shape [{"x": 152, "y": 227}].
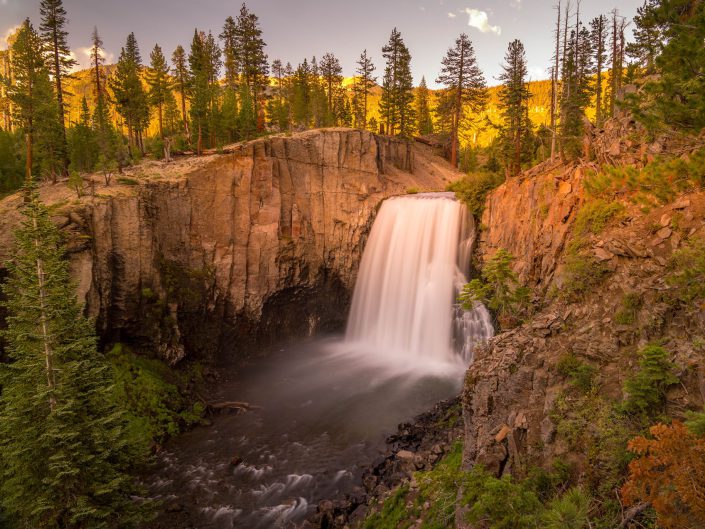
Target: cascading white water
[{"x": 411, "y": 271}]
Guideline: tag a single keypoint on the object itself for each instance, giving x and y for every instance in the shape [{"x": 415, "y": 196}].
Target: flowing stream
[{"x": 324, "y": 407}]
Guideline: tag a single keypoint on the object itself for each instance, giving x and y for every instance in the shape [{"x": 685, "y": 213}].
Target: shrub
[
  {"x": 412, "y": 190},
  {"x": 594, "y": 216},
  {"x": 669, "y": 474},
  {"x": 570, "y": 511},
  {"x": 473, "y": 189},
  {"x": 498, "y": 288},
  {"x": 687, "y": 273},
  {"x": 126, "y": 181},
  {"x": 394, "y": 514},
  {"x": 582, "y": 273},
  {"x": 150, "y": 393},
  {"x": 581, "y": 374},
  {"x": 500, "y": 503},
  {"x": 658, "y": 182},
  {"x": 631, "y": 303},
  {"x": 646, "y": 389},
  {"x": 696, "y": 422}
]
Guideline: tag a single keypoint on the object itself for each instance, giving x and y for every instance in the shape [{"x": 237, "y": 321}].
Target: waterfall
[{"x": 415, "y": 262}]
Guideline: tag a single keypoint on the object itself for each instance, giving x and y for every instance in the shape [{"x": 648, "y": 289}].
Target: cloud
[
  {"x": 480, "y": 20},
  {"x": 451, "y": 15},
  {"x": 516, "y": 4},
  {"x": 4, "y": 38},
  {"x": 83, "y": 57}
]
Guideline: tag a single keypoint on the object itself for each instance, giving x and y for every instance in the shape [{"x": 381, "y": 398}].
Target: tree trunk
[
  {"x": 43, "y": 320},
  {"x": 161, "y": 121}
]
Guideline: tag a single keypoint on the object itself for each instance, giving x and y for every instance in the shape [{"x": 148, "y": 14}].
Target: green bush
[
  {"x": 151, "y": 394},
  {"x": 581, "y": 374},
  {"x": 658, "y": 182},
  {"x": 646, "y": 389},
  {"x": 594, "y": 216},
  {"x": 500, "y": 503},
  {"x": 570, "y": 511},
  {"x": 412, "y": 190},
  {"x": 473, "y": 189},
  {"x": 498, "y": 288},
  {"x": 394, "y": 513},
  {"x": 631, "y": 304},
  {"x": 687, "y": 274},
  {"x": 582, "y": 273}
]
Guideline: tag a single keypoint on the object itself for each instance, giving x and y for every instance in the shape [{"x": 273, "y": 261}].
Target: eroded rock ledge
[{"x": 220, "y": 254}]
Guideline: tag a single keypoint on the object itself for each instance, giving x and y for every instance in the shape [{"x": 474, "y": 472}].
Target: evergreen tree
[
  {"x": 318, "y": 99},
  {"x": 598, "y": 41},
  {"x": 35, "y": 111},
  {"x": 229, "y": 36},
  {"x": 199, "y": 87},
  {"x": 648, "y": 38},
  {"x": 59, "y": 61},
  {"x": 213, "y": 65},
  {"x": 364, "y": 82},
  {"x": 97, "y": 61},
  {"x": 514, "y": 103},
  {"x": 278, "y": 107},
  {"x": 64, "y": 444},
  {"x": 82, "y": 142},
  {"x": 423, "y": 109},
  {"x": 301, "y": 97},
  {"x": 397, "y": 87},
  {"x": 158, "y": 81},
  {"x": 674, "y": 98},
  {"x": 131, "y": 100},
  {"x": 577, "y": 72},
  {"x": 332, "y": 75},
  {"x": 465, "y": 87},
  {"x": 253, "y": 63},
  {"x": 181, "y": 78}
]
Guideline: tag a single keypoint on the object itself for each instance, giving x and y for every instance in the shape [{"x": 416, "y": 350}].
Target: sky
[{"x": 295, "y": 29}]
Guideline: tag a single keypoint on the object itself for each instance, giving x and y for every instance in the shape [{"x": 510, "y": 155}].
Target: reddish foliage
[{"x": 669, "y": 473}]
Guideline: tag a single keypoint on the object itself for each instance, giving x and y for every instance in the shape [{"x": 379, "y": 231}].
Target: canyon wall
[{"x": 222, "y": 254}]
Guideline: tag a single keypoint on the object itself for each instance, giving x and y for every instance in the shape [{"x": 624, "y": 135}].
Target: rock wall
[
  {"x": 229, "y": 252},
  {"x": 512, "y": 387}
]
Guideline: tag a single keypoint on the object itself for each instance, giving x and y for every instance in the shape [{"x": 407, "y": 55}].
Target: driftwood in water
[{"x": 231, "y": 406}]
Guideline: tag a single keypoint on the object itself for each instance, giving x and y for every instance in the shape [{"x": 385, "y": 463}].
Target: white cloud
[
  {"x": 7, "y": 35},
  {"x": 480, "y": 20},
  {"x": 451, "y": 15},
  {"x": 516, "y": 4},
  {"x": 83, "y": 57}
]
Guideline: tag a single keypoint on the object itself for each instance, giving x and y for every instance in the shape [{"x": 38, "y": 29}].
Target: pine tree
[
  {"x": 131, "y": 100},
  {"x": 229, "y": 36},
  {"x": 514, "y": 103},
  {"x": 181, "y": 77},
  {"x": 34, "y": 108},
  {"x": 598, "y": 41},
  {"x": 82, "y": 142},
  {"x": 213, "y": 64},
  {"x": 64, "y": 444},
  {"x": 465, "y": 87},
  {"x": 577, "y": 72},
  {"x": 301, "y": 97},
  {"x": 278, "y": 106},
  {"x": 97, "y": 61},
  {"x": 674, "y": 98},
  {"x": 332, "y": 75},
  {"x": 199, "y": 87},
  {"x": 423, "y": 109},
  {"x": 59, "y": 60},
  {"x": 364, "y": 82},
  {"x": 254, "y": 66},
  {"x": 648, "y": 38},
  {"x": 318, "y": 98},
  {"x": 397, "y": 87},
  {"x": 158, "y": 81}
]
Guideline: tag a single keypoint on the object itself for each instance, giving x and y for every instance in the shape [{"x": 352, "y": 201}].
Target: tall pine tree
[
  {"x": 182, "y": 80},
  {"x": 423, "y": 109},
  {"x": 158, "y": 81},
  {"x": 514, "y": 103},
  {"x": 397, "y": 87},
  {"x": 364, "y": 82},
  {"x": 59, "y": 60},
  {"x": 465, "y": 88},
  {"x": 598, "y": 41},
  {"x": 64, "y": 444},
  {"x": 332, "y": 74},
  {"x": 253, "y": 63}
]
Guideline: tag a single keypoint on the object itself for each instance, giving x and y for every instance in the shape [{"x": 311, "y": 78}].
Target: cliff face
[
  {"x": 227, "y": 252},
  {"x": 515, "y": 392}
]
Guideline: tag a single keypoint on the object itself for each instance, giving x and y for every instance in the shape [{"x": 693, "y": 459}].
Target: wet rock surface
[{"x": 417, "y": 445}]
